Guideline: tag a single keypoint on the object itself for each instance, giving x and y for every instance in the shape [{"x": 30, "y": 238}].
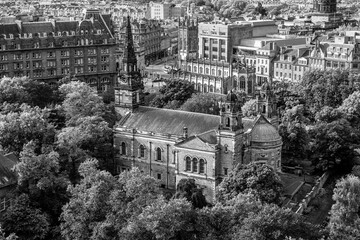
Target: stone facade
[
  {"x": 171, "y": 145},
  {"x": 49, "y": 51}
]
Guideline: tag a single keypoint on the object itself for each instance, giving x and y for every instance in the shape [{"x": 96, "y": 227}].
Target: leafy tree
[
  {"x": 86, "y": 132},
  {"x": 89, "y": 136},
  {"x": 89, "y": 202},
  {"x": 32, "y": 92},
  {"x": 12, "y": 90},
  {"x": 167, "y": 220},
  {"x": 332, "y": 143},
  {"x": 356, "y": 170},
  {"x": 203, "y": 103},
  {"x": 102, "y": 207},
  {"x": 292, "y": 130},
  {"x": 274, "y": 222},
  {"x": 24, "y": 220},
  {"x": 12, "y": 236},
  {"x": 260, "y": 10},
  {"x": 351, "y": 108},
  {"x": 23, "y": 126},
  {"x": 217, "y": 222},
  {"x": 249, "y": 108},
  {"x": 80, "y": 101},
  {"x": 261, "y": 180},
  {"x": 40, "y": 178},
  {"x": 186, "y": 188},
  {"x": 327, "y": 88},
  {"x": 174, "y": 90},
  {"x": 344, "y": 219}
]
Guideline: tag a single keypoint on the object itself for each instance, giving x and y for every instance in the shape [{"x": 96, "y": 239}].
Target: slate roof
[
  {"x": 11, "y": 28},
  {"x": 7, "y": 176},
  {"x": 167, "y": 121},
  {"x": 37, "y": 27},
  {"x": 63, "y": 26}
]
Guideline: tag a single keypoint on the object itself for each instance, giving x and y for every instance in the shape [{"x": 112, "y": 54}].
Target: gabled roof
[
  {"x": 196, "y": 143},
  {"x": 7, "y": 176},
  {"x": 167, "y": 121}
]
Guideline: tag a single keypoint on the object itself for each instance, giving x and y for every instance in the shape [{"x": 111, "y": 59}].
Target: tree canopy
[
  {"x": 203, "y": 103},
  {"x": 173, "y": 94},
  {"x": 344, "y": 219},
  {"x": 260, "y": 180}
]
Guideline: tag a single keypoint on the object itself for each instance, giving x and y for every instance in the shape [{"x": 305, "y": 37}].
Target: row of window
[
  {"x": 141, "y": 151},
  {"x": 195, "y": 165},
  {"x": 64, "y": 43},
  {"x": 207, "y": 71},
  {"x": 52, "y": 55}
]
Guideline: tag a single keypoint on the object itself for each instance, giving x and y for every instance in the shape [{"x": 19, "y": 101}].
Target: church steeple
[
  {"x": 129, "y": 57},
  {"x": 129, "y": 87}
]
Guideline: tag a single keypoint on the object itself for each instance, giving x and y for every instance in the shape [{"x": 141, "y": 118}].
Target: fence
[{"x": 314, "y": 191}]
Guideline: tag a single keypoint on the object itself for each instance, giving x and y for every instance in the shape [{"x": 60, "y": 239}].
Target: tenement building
[
  {"x": 171, "y": 145},
  {"x": 49, "y": 51}
]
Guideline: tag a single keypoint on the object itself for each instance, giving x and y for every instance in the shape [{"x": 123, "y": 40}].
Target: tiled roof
[
  {"x": 7, "y": 176},
  {"x": 166, "y": 121},
  {"x": 37, "y": 27}
]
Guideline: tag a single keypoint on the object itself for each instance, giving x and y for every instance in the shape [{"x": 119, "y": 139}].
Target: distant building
[
  {"x": 8, "y": 179},
  {"x": 166, "y": 10},
  {"x": 49, "y": 51},
  {"x": 148, "y": 36}
]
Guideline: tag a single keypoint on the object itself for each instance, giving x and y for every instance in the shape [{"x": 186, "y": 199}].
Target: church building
[{"x": 171, "y": 144}]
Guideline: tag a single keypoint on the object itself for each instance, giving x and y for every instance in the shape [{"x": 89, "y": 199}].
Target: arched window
[
  {"x": 211, "y": 88},
  {"x": 123, "y": 148},
  {"x": 219, "y": 73},
  {"x": 206, "y": 70},
  {"x": 195, "y": 69},
  {"x": 227, "y": 122},
  {"x": 189, "y": 68},
  {"x": 195, "y": 165},
  {"x": 142, "y": 151},
  {"x": 225, "y": 148},
  {"x": 200, "y": 70},
  {"x": 213, "y": 72},
  {"x": 202, "y": 166},
  {"x": 188, "y": 164},
  {"x": 158, "y": 154}
]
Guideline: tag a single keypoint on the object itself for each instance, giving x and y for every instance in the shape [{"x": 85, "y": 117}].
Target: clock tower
[{"x": 129, "y": 86}]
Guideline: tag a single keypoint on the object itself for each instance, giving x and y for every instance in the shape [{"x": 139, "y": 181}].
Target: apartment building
[{"x": 49, "y": 51}]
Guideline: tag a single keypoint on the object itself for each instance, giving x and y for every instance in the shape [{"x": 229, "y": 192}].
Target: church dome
[
  {"x": 231, "y": 97},
  {"x": 264, "y": 132}
]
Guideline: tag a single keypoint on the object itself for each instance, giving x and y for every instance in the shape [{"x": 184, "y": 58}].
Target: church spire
[{"x": 129, "y": 57}]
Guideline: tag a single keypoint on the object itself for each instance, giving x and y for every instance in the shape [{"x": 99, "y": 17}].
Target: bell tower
[
  {"x": 129, "y": 86},
  {"x": 230, "y": 135},
  {"x": 266, "y": 104},
  {"x": 188, "y": 39}
]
